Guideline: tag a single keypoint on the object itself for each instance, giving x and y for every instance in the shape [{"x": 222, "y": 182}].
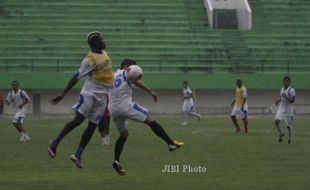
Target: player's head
[
  {"x": 286, "y": 81},
  {"x": 95, "y": 40},
  {"x": 185, "y": 84},
  {"x": 15, "y": 85},
  {"x": 239, "y": 82},
  {"x": 127, "y": 63}
]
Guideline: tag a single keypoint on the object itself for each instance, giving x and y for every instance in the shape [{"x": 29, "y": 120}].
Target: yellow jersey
[
  {"x": 240, "y": 95},
  {"x": 102, "y": 71}
]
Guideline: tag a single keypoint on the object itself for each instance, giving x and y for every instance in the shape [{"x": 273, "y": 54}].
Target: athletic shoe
[
  {"x": 106, "y": 140},
  {"x": 52, "y": 150},
  {"x": 76, "y": 161},
  {"x": 199, "y": 117},
  {"x": 26, "y": 138},
  {"x": 281, "y": 138},
  {"x": 118, "y": 168},
  {"x": 289, "y": 141},
  {"x": 175, "y": 145},
  {"x": 184, "y": 123},
  {"x": 22, "y": 138}
]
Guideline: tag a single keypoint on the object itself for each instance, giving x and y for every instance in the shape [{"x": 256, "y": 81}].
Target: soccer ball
[{"x": 134, "y": 72}]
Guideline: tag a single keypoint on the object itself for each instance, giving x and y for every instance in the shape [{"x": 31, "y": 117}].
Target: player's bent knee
[
  {"x": 148, "y": 120},
  {"x": 124, "y": 134}
]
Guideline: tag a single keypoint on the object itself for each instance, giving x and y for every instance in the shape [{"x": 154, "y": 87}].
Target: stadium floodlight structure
[{"x": 229, "y": 14}]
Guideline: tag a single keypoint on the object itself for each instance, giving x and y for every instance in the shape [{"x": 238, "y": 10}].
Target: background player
[
  {"x": 240, "y": 106},
  {"x": 122, "y": 108},
  {"x": 19, "y": 98},
  {"x": 104, "y": 125},
  {"x": 96, "y": 69},
  {"x": 286, "y": 109},
  {"x": 188, "y": 104}
]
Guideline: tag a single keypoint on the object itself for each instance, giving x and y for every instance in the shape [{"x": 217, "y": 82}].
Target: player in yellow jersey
[
  {"x": 240, "y": 106},
  {"x": 96, "y": 70}
]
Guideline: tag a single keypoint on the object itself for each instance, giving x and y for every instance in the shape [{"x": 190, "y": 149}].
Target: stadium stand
[{"x": 163, "y": 36}]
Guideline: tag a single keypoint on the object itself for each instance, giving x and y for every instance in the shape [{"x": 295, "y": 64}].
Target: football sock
[
  {"x": 278, "y": 127},
  {"x": 119, "y": 147},
  {"x": 289, "y": 129},
  {"x": 159, "y": 131},
  {"x": 79, "y": 151},
  {"x": 245, "y": 123},
  {"x": 86, "y": 136},
  {"x": 56, "y": 140}
]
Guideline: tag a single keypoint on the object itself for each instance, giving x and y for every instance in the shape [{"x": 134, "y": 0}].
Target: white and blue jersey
[
  {"x": 121, "y": 105},
  {"x": 286, "y": 109},
  {"x": 16, "y": 99}
]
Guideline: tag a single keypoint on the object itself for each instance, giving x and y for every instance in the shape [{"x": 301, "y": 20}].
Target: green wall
[{"x": 164, "y": 81}]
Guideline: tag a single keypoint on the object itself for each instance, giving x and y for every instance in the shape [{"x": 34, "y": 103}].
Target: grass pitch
[{"x": 235, "y": 162}]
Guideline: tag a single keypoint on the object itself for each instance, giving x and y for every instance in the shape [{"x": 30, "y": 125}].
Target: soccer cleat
[
  {"x": 175, "y": 145},
  {"x": 76, "y": 161},
  {"x": 281, "y": 138},
  {"x": 289, "y": 141},
  {"x": 184, "y": 123},
  {"x": 118, "y": 168},
  {"x": 26, "y": 138},
  {"x": 52, "y": 150},
  {"x": 22, "y": 138}
]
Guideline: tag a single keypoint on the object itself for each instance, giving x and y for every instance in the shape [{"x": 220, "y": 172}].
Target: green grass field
[{"x": 234, "y": 162}]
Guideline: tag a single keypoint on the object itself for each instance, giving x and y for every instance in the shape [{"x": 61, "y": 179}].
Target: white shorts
[
  {"x": 237, "y": 110},
  {"x": 90, "y": 107},
  {"x": 132, "y": 111},
  {"x": 287, "y": 118},
  {"x": 19, "y": 117},
  {"x": 188, "y": 106}
]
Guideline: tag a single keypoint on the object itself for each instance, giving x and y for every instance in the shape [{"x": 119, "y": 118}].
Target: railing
[{"x": 163, "y": 66}]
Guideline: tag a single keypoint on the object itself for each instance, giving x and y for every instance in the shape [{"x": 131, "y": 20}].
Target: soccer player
[
  {"x": 286, "y": 109},
  {"x": 19, "y": 98},
  {"x": 240, "y": 106},
  {"x": 188, "y": 104},
  {"x": 96, "y": 69},
  {"x": 122, "y": 108},
  {"x": 104, "y": 126}
]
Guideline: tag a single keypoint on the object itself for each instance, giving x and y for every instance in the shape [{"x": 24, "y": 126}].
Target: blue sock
[
  {"x": 79, "y": 151},
  {"x": 56, "y": 140}
]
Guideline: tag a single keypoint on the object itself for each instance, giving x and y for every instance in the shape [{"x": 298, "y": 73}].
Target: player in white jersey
[
  {"x": 96, "y": 69},
  {"x": 286, "y": 109},
  {"x": 18, "y": 98},
  {"x": 122, "y": 108},
  {"x": 188, "y": 104}
]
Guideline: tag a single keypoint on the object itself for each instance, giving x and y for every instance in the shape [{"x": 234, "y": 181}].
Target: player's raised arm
[
  {"x": 84, "y": 70},
  {"x": 141, "y": 85}
]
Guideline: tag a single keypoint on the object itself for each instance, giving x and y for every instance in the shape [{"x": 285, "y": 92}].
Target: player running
[
  {"x": 96, "y": 69},
  {"x": 188, "y": 104},
  {"x": 240, "y": 106},
  {"x": 286, "y": 109},
  {"x": 122, "y": 108},
  {"x": 19, "y": 98}
]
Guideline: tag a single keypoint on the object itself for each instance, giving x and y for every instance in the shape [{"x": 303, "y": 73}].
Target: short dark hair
[
  {"x": 287, "y": 78},
  {"x": 185, "y": 82},
  {"x": 92, "y": 37},
  {"x": 127, "y": 62},
  {"x": 15, "y": 81}
]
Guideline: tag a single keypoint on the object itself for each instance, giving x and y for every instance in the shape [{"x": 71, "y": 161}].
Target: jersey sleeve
[
  {"x": 24, "y": 95},
  {"x": 84, "y": 69},
  {"x": 292, "y": 92},
  {"x": 244, "y": 93}
]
